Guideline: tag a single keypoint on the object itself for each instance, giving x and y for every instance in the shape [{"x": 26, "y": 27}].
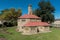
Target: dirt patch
[{"x": 3, "y": 39}]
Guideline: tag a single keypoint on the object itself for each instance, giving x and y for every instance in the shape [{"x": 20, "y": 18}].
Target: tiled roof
[
  {"x": 36, "y": 24},
  {"x": 28, "y": 16}
]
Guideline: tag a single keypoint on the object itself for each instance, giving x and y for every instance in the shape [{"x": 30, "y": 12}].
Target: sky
[{"x": 23, "y": 5}]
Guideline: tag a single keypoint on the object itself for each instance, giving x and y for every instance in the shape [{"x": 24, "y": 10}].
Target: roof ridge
[{"x": 28, "y": 16}]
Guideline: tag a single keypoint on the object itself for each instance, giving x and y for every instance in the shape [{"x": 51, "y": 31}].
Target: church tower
[{"x": 30, "y": 9}]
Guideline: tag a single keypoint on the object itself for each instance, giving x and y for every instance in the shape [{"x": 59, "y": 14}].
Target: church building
[{"x": 31, "y": 24}]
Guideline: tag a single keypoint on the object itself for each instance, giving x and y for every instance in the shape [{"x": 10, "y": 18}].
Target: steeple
[{"x": 30, "y": 9}]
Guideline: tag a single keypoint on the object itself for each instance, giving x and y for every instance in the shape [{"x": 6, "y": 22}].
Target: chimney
[{"x": 30, "y": 9}]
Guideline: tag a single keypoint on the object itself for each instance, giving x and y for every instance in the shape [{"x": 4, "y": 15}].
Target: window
[
  {"x": 26, "y": 28},
  {"x": 33, "y": 28},
  {"x": 22, "y": 27},
  {"x": 46, "y": 27},
  {"x": 33, "y": 20},
  {"x": 23, "y": 20}
]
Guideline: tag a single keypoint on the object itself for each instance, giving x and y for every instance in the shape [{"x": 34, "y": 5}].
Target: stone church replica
[{"x": 31, "y": 24}]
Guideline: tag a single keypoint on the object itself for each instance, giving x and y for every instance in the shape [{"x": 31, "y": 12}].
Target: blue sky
[{"x": 23, "y": 4}]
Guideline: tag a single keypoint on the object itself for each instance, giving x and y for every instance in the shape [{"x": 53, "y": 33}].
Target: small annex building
[
  {"x": 56, "y": 23},
  {"x": 31, "y": 24}
]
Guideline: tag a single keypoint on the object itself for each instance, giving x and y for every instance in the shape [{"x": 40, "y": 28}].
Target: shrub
[{"x": 0, "y": 25}]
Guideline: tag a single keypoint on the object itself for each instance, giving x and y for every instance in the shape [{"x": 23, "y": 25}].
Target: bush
[
  {"x": 0, "y": 25},
  {"x": 8, "y": 24},
  {"x": 2, "y": 36}
]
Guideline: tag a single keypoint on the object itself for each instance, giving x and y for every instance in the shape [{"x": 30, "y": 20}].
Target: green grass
[{"x": 13, "y": 35}]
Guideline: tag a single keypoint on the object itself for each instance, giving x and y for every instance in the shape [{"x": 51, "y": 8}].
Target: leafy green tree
[
  {"x": 45, "y": 11},
  {"x": 10, "y": 15}
]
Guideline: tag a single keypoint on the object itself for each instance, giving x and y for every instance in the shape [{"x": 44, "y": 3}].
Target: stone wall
[
  {"x": 22, "y": 22},
  {"x": 29, "y": 30},
  {"x": 33, "y": 30},
  {"x": 43, "y": 29}
]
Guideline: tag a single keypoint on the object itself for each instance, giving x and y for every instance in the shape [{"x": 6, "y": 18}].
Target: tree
[
  {"x": 45, "y": 11},
  {"x": 10, "y": 15}
]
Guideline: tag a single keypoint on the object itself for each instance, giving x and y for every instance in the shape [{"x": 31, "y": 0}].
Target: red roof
[
  {"x": 36, "y": 24},
  {"x": 28, "y": 16}
]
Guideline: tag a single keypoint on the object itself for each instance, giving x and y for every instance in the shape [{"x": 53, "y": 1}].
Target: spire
[{"x": 30, "y": 9}]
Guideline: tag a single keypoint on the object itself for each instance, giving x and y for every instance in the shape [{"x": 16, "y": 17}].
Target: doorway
[{"x": 37, "y": 30}]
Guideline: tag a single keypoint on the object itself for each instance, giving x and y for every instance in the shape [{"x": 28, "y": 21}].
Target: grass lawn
[{"x": 13, "y": 35}]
